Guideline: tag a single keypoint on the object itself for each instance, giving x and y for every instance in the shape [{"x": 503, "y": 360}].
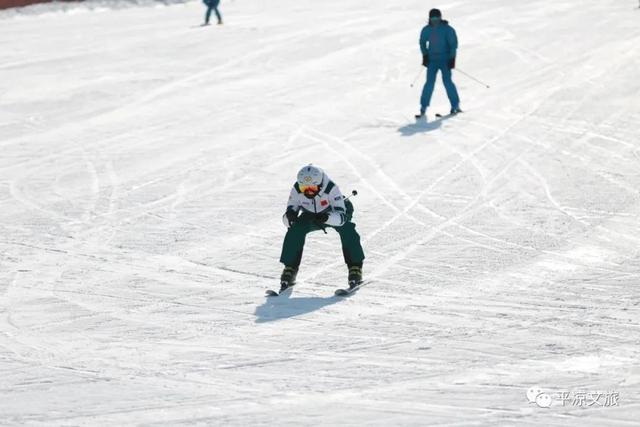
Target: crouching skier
[{"x": 316, "y": 203}]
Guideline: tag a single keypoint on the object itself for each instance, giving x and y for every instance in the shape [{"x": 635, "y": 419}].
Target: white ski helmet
[{"x": 310, "y": 176}]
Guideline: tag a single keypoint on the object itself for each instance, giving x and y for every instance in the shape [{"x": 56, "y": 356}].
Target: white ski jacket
[{"x": 329, "y": 197}]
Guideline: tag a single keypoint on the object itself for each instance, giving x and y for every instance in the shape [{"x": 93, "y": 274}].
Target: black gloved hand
[
  {"x": 425, "y": 60},
  {"x": 322, "y": 217},
  {"x": 452, "y": 63},
  {"x": 292, "y": 216}
]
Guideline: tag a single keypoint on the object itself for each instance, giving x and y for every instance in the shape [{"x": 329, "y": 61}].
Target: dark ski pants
[
  {"x": 297, "y": 234},
  {"x": 432, "y": 73},
  {"x": 212, "y": 5}
]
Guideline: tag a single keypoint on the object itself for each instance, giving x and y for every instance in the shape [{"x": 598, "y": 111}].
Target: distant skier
[
  {"x": 316, "y": 203},
  {"x": 438, "y": 43},
  {"x": 212, "y": 5}
]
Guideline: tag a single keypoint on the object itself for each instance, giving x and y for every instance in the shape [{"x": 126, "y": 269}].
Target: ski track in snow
[{"x": 146, "y": 165}]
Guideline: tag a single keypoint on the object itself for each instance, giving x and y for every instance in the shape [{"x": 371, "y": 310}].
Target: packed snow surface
[{"x": 146, "y": 163}]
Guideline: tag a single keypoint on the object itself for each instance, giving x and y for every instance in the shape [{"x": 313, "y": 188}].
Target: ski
[
  {"x": 272, "y": 293},
  {"x": 444, "y": 116},
  {"x": 349, "y": 291}
]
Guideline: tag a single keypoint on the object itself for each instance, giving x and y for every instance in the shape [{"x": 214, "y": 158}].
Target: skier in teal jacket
[
  {"x": 212, "y": 5},
  {"x": 439, "y": 45}
]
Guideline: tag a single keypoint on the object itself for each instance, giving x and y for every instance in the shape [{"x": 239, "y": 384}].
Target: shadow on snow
[
  {"x": 422, "y": 126},
  {"x": 284, "y": 307}
]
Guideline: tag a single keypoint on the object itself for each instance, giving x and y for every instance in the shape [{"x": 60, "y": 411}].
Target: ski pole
[
  {"x": 412, "y": 84},
  {"x": 473, "y": 78},
  {"x": 353, "y": 193}
]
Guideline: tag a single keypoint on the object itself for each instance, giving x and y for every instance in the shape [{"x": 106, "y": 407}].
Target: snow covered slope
[{"x": 145, "y": 166}]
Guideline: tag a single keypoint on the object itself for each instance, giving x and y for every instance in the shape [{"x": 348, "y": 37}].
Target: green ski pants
[{"x": 297, "y": 234}]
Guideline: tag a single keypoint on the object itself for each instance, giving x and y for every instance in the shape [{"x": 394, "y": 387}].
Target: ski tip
[
  {"x": 345, "y": 292},
  {"x": 285, "y": 292},
  {"x": 442, "y": 116}
]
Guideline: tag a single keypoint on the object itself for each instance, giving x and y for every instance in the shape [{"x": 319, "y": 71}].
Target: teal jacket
[{"x": 440, "y": 42}]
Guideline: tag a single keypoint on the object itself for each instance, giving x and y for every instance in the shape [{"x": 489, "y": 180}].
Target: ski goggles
[{"x": 309, "y": 189}]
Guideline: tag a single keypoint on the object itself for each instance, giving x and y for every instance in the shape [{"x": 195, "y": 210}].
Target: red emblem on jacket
[{"x": 323, "y": 203}]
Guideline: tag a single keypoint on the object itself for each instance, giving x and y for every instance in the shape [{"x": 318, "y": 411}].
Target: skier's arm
[
  {"x": 452, "y": 38},
  {"x": 423, "y": 42},
  {"x": 293, "y": 206},
  {"x": 293, "y": 203},
  {"x": 338, "y": 213}
]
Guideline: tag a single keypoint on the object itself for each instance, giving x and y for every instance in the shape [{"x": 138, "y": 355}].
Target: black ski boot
[
  {"x": 355, "y": 276},
  {"x": 455, "y": 111},
  {"x": 288, "y": 278}
]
